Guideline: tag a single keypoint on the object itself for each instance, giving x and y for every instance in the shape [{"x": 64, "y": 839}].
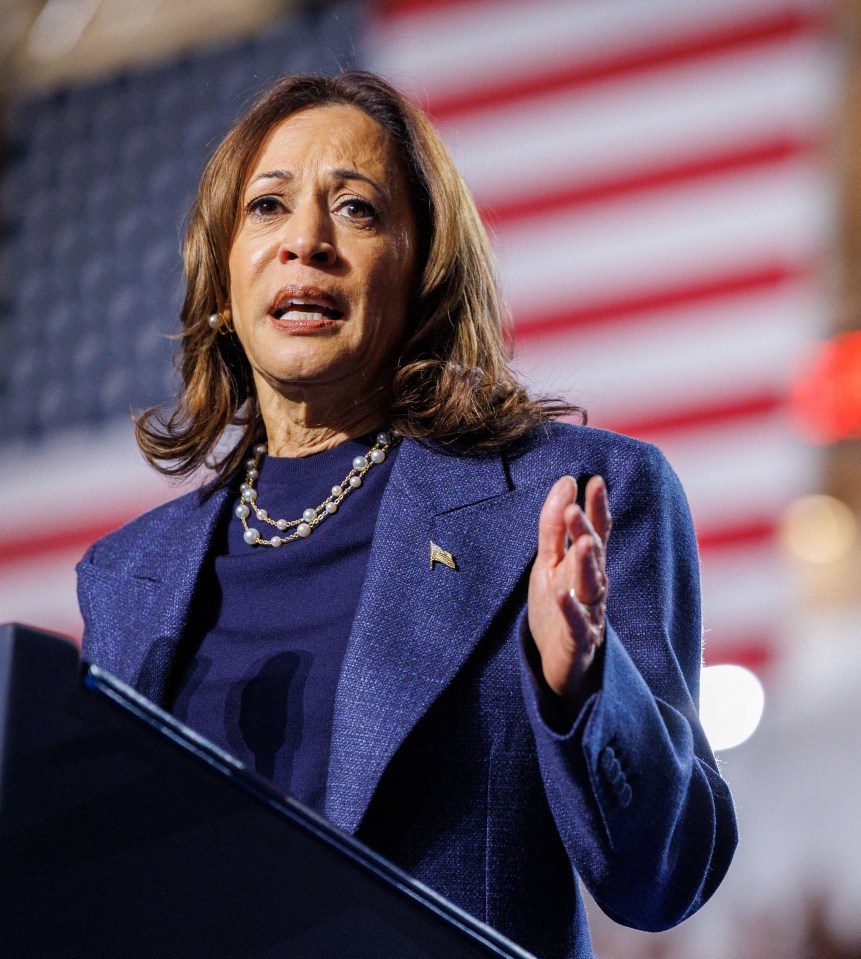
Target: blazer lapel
[
  {"x": 148, "y": 599},
  {"x": 416, "y": 625}
]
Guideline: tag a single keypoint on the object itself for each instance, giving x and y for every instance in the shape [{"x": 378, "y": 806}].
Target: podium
[{"x": 123, "y": 834}]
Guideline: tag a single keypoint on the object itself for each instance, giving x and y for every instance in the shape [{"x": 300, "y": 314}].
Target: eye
[
  {"x": 355, "y": 208},
  {"x": 263, "y": 206}
]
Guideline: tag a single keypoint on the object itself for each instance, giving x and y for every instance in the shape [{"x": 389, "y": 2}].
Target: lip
[
  {"x": 304, "y": 327},
  {"x": 322, "y": 309}
]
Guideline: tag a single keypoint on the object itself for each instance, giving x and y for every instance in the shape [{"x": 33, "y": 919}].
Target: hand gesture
[{"x": 568, "y": 585}]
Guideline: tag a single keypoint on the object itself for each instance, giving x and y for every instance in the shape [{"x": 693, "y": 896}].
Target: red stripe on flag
[
  {"x": 761, "y": 279},
  {"x": 779, "y": 26},
  {"x": 756, "y": 653},
  {"x": 701, "y": 417},
  {"x": 39, "y": 546},
  {"x": 754, "y": 533},
  {"x": 397, "y": 8},
  {"x": 576, "y": 194}
]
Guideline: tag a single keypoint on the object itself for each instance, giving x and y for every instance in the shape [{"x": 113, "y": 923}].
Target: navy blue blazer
[{"x": 445, "y": 756}]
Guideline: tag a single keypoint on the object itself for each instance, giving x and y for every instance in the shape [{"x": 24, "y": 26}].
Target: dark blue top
[{"x": 261, "y": 683}]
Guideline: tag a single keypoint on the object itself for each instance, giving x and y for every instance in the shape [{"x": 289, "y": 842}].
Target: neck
[{"x": 299, "y": 427}]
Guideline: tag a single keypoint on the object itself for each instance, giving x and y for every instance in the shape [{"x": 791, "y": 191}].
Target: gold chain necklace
[{"x": 311, "y": 517}]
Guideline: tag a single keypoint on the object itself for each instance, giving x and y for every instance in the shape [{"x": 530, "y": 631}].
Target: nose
[{"x": 308, "y": 237}]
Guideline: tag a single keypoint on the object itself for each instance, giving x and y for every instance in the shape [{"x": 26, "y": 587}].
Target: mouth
[{"x": 308, "y": 304}]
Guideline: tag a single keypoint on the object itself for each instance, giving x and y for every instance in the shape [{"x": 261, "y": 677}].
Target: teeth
[
  {"x": 305, "y": 305},
  {"x": 301, "y": 315}
]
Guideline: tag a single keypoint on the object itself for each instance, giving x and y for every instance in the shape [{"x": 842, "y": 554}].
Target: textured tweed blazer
[{"x": 445, "y": 757}]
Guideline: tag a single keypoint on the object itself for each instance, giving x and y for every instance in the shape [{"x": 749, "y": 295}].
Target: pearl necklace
[{"x": 311, "y": 517}]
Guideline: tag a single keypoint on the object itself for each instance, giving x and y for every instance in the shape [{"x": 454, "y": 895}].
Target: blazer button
[
  {"x": 607, "y": 759},
  {"x": 625, "y": 795}
]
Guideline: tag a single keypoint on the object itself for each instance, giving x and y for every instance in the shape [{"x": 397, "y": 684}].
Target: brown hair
[{"x": 452, "y": 384}]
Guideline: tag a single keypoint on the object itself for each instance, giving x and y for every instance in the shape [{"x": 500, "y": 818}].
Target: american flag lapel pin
[{"x": 440, "y": 555}]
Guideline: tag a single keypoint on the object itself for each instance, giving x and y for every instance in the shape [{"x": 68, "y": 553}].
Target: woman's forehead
[{"x": 333, "y": 135}]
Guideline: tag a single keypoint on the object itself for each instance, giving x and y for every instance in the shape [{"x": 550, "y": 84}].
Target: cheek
[
  {"x": 391, "y": 275},
  {"x": 245, "y": 263},
  {"x": 259, "y": 253},
  {"x": 387, "y": 294},
  {"x": 235, "y": 276}
]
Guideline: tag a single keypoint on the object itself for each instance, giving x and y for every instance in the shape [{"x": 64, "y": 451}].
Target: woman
[{"x": 393, "y": 650}]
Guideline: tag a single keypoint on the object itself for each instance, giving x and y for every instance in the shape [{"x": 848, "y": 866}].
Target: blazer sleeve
[{"x": 641, "y": 808}]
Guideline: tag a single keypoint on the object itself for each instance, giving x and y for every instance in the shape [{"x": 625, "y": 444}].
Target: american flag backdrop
[{"x": 656, "y": 180}]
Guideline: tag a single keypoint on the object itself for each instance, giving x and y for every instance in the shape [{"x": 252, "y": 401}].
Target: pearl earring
[{"x": 220, "y": 323}]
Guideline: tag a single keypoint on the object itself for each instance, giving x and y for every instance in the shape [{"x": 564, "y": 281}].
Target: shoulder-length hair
[{"x": 452, "y": 384}]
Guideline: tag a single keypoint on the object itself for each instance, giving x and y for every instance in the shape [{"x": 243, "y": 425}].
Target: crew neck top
[{"x": 261, "y": 677}]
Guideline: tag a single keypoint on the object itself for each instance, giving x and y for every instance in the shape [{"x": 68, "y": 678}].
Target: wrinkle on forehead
[{"x": 349, "y": 140}]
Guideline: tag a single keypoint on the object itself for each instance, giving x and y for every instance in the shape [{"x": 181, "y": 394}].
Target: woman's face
[{"x": 322, "y": 265}]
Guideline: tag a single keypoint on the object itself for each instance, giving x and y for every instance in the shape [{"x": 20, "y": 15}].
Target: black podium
[{"x": 123, "y": 834}]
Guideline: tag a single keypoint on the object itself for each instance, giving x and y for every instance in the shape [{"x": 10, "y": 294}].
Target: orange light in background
[{"x": 826, "y": 398}]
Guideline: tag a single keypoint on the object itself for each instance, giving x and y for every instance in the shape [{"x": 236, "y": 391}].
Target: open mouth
[{"x": 310, "y": 306}]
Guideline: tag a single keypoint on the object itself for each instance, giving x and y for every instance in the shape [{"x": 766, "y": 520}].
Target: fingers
[
  {"x": 562, "y": 521},
  {"x": 595, "y": 519},
  {"x": 598, "y": 508},
  {"x": 587, "y": 574},
  {"x": 586, "y": 624},
  {"x": 582, "y": 603},
  {"x": 568, "y": 582},
  {"x": 583, "y": 570},
  {"x": 585, "y": 563},
  {"x": 553, "y": 523}
]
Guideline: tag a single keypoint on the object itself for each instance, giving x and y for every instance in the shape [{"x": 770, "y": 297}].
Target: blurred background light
[
  {"x": 819, "y": 529},
  {"x": 826, "y": 396},
  {"x": 58, "y": 28},
  {"x": 731, "y": 704},
  {"x": 127, "y": 17}
]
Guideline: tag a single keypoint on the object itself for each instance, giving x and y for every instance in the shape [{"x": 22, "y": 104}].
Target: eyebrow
[{"x": 340, "y": 173}]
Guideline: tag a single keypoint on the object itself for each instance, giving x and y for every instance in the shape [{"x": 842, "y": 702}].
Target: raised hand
[{"x": 568, "y": 585}]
